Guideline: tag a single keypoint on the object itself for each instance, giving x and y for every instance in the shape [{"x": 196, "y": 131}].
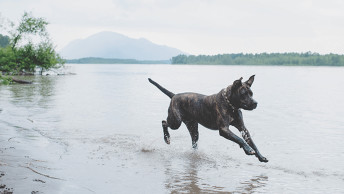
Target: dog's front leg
[
  {"x": 228, "y": 134},
  {"x": 247, "y": 137},
  {"x": 239, "y": 124}
]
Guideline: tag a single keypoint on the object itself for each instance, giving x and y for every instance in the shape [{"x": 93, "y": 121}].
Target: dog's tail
[{"x": 165, "y": 91}]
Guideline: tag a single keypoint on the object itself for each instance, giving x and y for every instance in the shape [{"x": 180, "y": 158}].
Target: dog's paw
[
  {"x": 263, "y": 159},
  {"x": 194, "y": 146},
  {"x": 167, "y": 139}
]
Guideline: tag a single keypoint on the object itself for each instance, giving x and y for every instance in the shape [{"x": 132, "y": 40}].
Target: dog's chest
[{"x": 228, "y": 116}]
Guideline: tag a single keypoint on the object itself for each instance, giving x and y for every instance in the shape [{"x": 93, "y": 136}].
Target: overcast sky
[{"x": 197, "y": 26}]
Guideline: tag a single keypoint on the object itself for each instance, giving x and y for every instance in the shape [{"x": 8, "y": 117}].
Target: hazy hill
[{"x": 115, "y": 45}]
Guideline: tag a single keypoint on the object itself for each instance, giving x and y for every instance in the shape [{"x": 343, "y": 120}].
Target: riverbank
[{"x": 22, "y": 170}]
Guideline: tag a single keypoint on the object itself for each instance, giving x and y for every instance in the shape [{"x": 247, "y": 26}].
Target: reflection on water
[
  {"x": 184, "y": 180},
  {"x": 250, "y": 186},
  {"x": 100, "y": 130},
  {"x": 187, "y": 179},
  {"x": 39, "y": 93}
]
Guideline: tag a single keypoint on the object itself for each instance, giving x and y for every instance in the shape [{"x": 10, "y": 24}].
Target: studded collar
[{"x": 224, "y": 91}]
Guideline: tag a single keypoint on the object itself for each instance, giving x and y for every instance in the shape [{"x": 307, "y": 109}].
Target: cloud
[{"x": 197, "y": 26}]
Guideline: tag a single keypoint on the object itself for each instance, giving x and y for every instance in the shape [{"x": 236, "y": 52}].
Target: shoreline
[{"x": 22, "y": 170}]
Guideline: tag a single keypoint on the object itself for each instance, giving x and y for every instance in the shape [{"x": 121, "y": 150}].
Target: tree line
[
  {"x": 297, "y": 59},
  {"x": 27, "y": 48}
]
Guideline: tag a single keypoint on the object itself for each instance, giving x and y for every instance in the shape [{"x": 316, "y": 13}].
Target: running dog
[{"x": 216, "y": 112}]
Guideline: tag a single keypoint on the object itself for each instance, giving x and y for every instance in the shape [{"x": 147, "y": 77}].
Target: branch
[{"x": 21, "y": 81}]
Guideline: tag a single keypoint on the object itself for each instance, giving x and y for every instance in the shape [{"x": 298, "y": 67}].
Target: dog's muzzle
[{"x": 252, "y": 106}]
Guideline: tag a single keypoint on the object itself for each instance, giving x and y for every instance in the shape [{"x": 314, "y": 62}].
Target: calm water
[{"x": 100, "y": 130}]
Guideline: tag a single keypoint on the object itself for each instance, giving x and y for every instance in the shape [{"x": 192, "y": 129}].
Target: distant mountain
[{"x": 115, "y": 45}]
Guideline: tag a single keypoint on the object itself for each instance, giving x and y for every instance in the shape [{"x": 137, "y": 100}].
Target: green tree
[
  {"x": 47, "y": 57},
  {"x": 28, "y": 25},
  {"x": 7, "y": 60},
  {"x": 24, "y": 56},
  {"x": 4, "y": 41}
]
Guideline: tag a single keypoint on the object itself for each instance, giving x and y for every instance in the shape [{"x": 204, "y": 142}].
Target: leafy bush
[
  {"x": 22, "y": 56},
  {"x": 5, "y": 80}
]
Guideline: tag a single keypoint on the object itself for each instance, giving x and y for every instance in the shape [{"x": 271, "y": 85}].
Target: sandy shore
[{"x": 22, "y": 170}]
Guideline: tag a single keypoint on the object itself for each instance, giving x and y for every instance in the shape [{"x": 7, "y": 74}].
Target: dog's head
[{"x": 241, "y": 94}]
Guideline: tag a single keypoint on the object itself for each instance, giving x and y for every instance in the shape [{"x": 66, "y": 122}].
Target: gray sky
[{"x": 197, "y": 26}]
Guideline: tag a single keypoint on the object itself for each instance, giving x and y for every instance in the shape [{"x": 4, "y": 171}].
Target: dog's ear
[
  {"x": 236, "y": 84},
  {"x": 249, "y": 82}
]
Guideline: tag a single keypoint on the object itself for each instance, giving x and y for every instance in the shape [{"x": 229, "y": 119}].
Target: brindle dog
[{"x": 216, "y": 112}]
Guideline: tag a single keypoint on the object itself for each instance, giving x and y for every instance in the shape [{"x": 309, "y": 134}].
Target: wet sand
[{"x": 23, "y": 172}]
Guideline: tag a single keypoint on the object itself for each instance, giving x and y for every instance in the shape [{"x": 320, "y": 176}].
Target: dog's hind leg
[
  {"x": 193, "y": 130},
  {"x": 166, "y": 134},
  {"x": 173, "y": 121}
]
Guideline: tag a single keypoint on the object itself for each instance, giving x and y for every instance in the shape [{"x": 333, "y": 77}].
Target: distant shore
[
  {"x": 97, "y": 60},
  {"x": 269, "y": 59},
  {"x": 273, "y": 59}
]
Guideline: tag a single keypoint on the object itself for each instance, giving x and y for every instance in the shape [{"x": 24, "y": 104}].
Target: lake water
[{"x": 99, "y": 131}]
